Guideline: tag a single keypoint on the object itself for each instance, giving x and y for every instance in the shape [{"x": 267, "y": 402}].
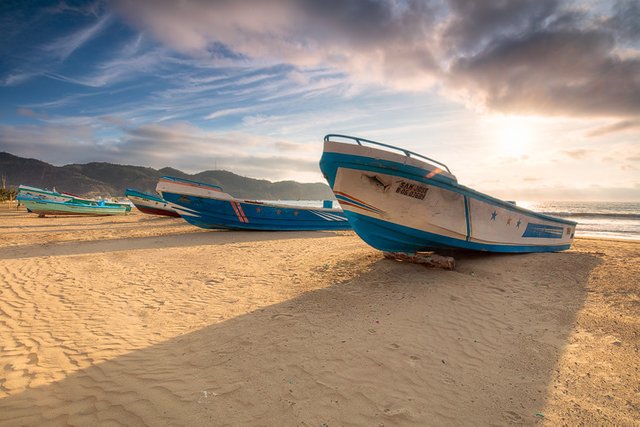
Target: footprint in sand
[
  {"x": 512, "y": 417},
  {"x": 280, "y": 315}
]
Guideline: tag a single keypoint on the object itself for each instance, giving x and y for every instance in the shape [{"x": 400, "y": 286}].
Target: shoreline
[
  {"x": 146, "y": 320},
  {"x": 611, "y": 239}
]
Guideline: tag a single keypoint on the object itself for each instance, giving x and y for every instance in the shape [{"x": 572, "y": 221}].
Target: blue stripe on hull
[
  {"x": 543, "y": 231},
  {"x": 212, "y": 213},
  {"x": 390, "y": 237}
]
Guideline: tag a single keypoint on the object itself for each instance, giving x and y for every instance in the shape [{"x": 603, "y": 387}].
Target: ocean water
[{"x": 620, "y": 220}]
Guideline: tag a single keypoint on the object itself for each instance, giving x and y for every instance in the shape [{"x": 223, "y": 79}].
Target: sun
[{"x": 514, "y": 136}]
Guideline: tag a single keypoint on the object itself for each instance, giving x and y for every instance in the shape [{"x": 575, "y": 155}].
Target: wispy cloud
[
  {"x": 16, "y": 78},
  {"x": 26, "y": 112},
  {"x": 577, "y": 154},
  {"x": 227, "y": 112},
  {"x": 615, "y": 127},
  {"x": 65, "y": 46}
]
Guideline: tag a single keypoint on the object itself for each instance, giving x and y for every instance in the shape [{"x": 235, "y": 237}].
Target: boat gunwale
[
  {"x": 140, "y": 194},
  {"x": 259, "y": 203},
  {"x": 407, "y": 153},
  {"x": 190, "y": 181},
  {"x": 26, "y": 188}
]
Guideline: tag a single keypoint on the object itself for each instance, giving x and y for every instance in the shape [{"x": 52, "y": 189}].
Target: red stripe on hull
[
  {"x": 157, "y": 211},
  {"x": 244, "y": 217},
  {"x": 60, "y": 213},
  {"x": 238, "y": 210}
]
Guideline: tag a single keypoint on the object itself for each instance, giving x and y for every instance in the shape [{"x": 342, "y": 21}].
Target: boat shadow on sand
[
  {"x": 58, "y": 222},
  {"x": 393, "y": 344},
  {"x": 198, "y": 238}
]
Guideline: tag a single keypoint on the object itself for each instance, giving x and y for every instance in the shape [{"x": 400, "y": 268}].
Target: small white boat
[
  {"x": 150, "y": 204},
  {"x": 400, "y": 201}
]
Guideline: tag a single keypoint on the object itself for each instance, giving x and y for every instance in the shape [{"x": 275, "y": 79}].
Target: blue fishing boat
[
  {"x": 208, "y": 206},
  {"x": 150, "y": 204},
  {"x": 400, "y": 201}
]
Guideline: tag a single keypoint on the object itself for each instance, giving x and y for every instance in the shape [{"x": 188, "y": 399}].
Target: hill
[{"x": 107, "y": 179}]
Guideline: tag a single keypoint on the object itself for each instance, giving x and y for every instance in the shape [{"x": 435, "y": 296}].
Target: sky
[{"x": 523, "y": 99}]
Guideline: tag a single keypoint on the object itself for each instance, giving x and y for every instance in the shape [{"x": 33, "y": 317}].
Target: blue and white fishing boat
[
  {"x": 400, "y": 201},
  {"x": 150, "y": 204},
  {"x": 208, "y": 206}
]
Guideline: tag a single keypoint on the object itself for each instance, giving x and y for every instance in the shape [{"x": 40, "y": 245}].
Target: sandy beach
[{"x": 142, "y": 320}]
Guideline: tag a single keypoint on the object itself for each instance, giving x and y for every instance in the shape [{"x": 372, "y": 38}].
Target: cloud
[
  {"x": 61, "y": 143},
  {"x": 273, "y": 167},
  {"x": 65, "y": 46},
  {"x": 15, "y": 79},
  {"x": 179, "y": 145},
  {"x": 531, "y": 56},
  {"x": 577, "y": 154},
  {"x": 625, "y": 21},
  {"x": 127, "y": 64},
  {"x": 474, "y": 25},
  {"x": 289, "y": 146},
  {"x": 615, "y": 127},
  {"x": 371, "y": 39},
  {"x": 227, "y": 112},
  {"x": 554, "y": 72},
  {"x": 26, "y": 112},
  {"x": 618, "y": 153}
]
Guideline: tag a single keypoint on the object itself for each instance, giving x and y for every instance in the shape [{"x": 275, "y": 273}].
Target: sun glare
[{"x": 514, "y": 135}]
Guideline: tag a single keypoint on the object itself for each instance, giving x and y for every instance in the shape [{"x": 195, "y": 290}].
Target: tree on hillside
[{"x": 7, "y": 194}]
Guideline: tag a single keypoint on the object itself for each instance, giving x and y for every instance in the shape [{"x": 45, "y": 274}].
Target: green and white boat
[
  {"x": 44, "y": 207},
  {"x": 27, "y": 191}
]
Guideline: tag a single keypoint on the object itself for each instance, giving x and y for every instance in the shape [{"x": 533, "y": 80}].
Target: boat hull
[
  {"x": 149, "y": 204},
  {"x": 50, "y": 207},
  {"x": 212, "y": 209},
  {"x": 39, "y": 193},
  {"x": 157, "y": 211},
  {"x": 400, "y": 206}
]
